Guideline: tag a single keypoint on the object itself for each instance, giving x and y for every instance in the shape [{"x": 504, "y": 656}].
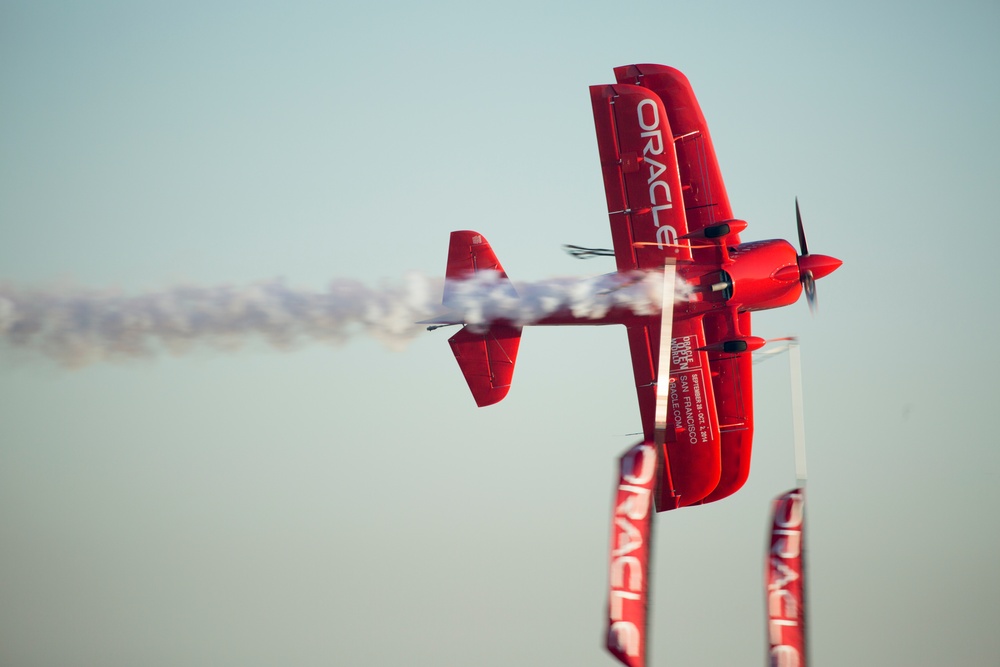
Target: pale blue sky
[{"x": 350, "y": 505}]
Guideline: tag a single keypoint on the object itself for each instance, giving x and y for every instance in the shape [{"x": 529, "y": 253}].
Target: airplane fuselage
[{"x": 759, "y": 275}]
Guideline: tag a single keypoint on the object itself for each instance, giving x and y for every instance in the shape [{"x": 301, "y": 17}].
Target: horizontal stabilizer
[{"x": 487, "y": 360}]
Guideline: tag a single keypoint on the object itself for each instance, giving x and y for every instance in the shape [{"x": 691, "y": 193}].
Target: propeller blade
[
  {"x": 803, "y": 248},
  {"x": 809, "y": 284},
  {"x": 811, "y": 267}
]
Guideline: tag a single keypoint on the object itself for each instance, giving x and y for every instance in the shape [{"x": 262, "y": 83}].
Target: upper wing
[
  {"x": 705, "y": 200},
  {"x": 706, "y": 203},
  {"x": 641, "y": 179},
  {"x": 724, "y": 467}
]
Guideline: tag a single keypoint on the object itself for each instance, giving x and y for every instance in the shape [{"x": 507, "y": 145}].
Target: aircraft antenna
[{"x": 587, "y": 253}]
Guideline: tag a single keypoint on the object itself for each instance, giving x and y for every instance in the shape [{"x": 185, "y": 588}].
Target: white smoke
[
  {"x": 76, "y": 326},
  {"x": 488, "y": 296}
]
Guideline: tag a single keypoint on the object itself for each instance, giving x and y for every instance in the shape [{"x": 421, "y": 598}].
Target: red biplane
[
  {"x": 667, "y": 205},
  {"x": 669, "y": 213}
]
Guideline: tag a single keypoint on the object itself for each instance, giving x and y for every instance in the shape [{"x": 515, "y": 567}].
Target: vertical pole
[
  {"x": 798, "y": 417},
  {"x": 666, "y": 336}
]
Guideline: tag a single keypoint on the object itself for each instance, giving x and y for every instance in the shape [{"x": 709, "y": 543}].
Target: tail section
[{"x": 486, "y": 357}]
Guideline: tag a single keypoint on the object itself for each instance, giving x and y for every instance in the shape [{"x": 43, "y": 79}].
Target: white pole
[
  {"x": 798, "y": 416},
  {"x": 666, "y": 336}
]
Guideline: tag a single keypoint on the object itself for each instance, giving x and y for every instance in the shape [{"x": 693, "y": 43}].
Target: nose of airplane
[
  {"x": 811, "y": 267},
  {"x": 819, "y": 266}
]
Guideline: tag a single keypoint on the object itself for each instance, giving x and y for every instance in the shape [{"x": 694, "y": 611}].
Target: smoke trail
[
  {"x": 76, "y": 326},
  {"x": 79, "y": 326},
  {"x": 488, "y": 296}
]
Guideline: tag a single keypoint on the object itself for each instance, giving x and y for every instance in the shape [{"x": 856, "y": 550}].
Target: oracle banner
[
  {"x": 630, "y": 537},
  {"x": 786, "y": 630}
]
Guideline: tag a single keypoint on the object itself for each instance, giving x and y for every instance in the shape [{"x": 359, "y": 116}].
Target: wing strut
[{"x": 663, "y": 368}]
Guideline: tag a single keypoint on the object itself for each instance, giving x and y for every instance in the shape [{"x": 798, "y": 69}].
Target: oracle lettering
[
  {"x": 787, "y": 543},
  {"x": 652, "y": 192},
  {"x": 629, "y": 539},
  {"x": 634, "y": 566},
  {"x": 681, "y": 353},
  {"x": 624, "y": 636},
  {"x": 774, "y": 604},
  {"x": 649, "y": 122},
  {"x": 785, "y": 656},
  {"x": 785, "y": 585},
  {"x": 636, "y": 505},
  {"x": 786, "y": 574},
  {"x": 788, "y": 512},
  {"x": 629, "y": 551},
  {"x": 647, "y": 458},
  {"x": 653, "y": 124}
]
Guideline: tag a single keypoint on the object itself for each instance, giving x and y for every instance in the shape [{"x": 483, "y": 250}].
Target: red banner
[
  {"x": 631, "y": 530},
  {"x": 786, "y": 630}
]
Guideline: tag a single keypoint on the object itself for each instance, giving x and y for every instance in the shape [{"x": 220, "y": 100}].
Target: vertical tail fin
[
  {"x": 486, "y": 357},
  {"x": 468, "y": 254}
]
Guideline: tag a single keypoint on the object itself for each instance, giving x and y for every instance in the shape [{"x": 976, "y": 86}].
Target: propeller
[
  {"x": 805, "y": 275},
  {"x": 811, "y": 267}
]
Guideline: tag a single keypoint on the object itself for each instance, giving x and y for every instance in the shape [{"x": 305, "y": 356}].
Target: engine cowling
[{"x": 765, "y": 274}]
